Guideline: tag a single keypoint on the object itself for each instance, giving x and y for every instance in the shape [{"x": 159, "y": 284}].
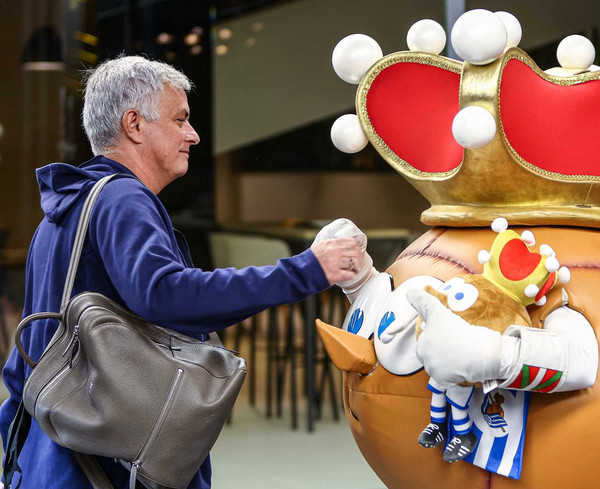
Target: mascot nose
[{"x": 348, "y": 352}]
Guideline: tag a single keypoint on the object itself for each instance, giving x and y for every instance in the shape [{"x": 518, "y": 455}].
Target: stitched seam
[
  {"x": 439, "y": 257},
  {"x": 426, "y": 396}
]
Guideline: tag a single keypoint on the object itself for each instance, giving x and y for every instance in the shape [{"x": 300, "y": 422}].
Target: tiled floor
[{"x": 256, "y": 453}]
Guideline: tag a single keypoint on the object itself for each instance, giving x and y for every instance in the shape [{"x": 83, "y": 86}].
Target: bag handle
[{"x": 25, "y": 322}]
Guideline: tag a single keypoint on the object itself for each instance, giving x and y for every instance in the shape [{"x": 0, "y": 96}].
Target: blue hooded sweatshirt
[{"x": 132, "y": 255}]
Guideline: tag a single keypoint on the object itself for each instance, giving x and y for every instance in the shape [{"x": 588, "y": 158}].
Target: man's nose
[{"x": 191, "y": 135}]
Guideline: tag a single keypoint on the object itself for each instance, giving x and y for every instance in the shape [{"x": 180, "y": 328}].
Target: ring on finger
[{"x": 351, "y": 265}]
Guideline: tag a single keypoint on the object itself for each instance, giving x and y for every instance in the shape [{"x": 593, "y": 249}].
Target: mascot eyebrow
[{"x": 513, "y": 277}]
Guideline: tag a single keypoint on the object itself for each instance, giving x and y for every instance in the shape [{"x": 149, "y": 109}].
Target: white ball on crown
[
  {"x": 513, "y": 28},
  {"x": 479, "y": 36},
  {"x": 528, "y": 237},
  {"x": 473, "y": 127},
  {"x": 564, "y": 275},
  {"x": 354, "y": 55},
  {"x": 426, "y": 36},
  {"x": 576, "y": 52},
  {"x": 499, "y": 224},
  {"x": 347, "y": 134}
]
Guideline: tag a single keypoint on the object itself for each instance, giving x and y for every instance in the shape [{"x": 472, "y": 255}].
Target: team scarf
[{"x": 499, "y": 420}]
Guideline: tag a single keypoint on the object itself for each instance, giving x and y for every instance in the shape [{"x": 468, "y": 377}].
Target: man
[{"x": 136, "y": 117}]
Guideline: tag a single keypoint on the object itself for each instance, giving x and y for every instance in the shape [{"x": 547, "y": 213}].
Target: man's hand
[
  {"x": 363, "y": 264},
  {"x": 451, "y": 349},
  {"x": 342, "y": 228},
  {"x": 339, "y": 258}
]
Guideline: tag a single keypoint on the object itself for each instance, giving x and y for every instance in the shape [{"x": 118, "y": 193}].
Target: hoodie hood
[{"x": 61, "y": 184}]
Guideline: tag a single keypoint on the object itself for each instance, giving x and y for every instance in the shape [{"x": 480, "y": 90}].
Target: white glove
[
  {"x": 451, "y": 349},
  {"x": 345, "y": 228},
  {"x": 396, "y": 343}
]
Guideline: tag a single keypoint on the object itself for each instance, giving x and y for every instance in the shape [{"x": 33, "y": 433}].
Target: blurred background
[{"x": 263, "y": 179}]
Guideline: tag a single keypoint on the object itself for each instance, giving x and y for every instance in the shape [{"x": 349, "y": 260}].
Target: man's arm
[{"x": 133, "y": 239}]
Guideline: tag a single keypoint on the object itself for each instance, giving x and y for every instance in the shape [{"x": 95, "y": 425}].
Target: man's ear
[{"x": 132, "y": 125}]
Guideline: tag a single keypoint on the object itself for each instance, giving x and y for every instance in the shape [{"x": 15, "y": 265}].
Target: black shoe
[
  {"x": 433, "y": 435},
  {"x": 459, "y": 447}
]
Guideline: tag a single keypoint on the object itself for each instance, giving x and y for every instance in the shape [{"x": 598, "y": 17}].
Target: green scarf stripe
[
  {"x": 550, "y": 381},
  {"x": 525, "y": 376}
]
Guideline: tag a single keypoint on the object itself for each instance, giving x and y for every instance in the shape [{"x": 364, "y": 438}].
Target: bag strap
[
  {"x": 82, "y": 228},
  {"x": 17, "y": 434},
  {"x": 92, "y": 470},
  {"x": 88, "y": 463}
]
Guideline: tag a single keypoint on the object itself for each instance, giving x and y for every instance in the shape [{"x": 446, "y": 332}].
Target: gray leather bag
[{"x": 111, "y": 384}]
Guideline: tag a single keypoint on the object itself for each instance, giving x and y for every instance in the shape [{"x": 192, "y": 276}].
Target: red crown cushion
[
  {"x": 411, "y": 106},
  {"x": 554, "y": 127}
]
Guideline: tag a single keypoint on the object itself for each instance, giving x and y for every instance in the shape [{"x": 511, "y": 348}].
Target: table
[{"x": 384, "y": 245}]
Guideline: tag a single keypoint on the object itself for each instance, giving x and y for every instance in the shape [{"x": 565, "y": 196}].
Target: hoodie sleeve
[{"x": 135, "y": 242}]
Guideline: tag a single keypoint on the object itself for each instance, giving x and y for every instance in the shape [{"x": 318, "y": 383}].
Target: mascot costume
[{"x": 491, "y": 137}]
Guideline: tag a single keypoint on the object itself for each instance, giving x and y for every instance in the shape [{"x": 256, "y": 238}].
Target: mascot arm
[{"x": 561, "y": 357}]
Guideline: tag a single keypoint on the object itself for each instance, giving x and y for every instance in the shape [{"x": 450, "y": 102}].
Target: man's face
[{"x": 168, "y": 140}]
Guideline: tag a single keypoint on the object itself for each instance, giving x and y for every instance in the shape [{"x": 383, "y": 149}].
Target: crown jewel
[{"x": 493, "y": 135}]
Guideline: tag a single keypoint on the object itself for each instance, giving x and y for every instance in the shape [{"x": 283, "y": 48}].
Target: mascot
[{"x": 493, "y": 136}]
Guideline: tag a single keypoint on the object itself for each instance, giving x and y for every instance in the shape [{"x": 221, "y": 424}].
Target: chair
[{"x": 240, "y": 250}]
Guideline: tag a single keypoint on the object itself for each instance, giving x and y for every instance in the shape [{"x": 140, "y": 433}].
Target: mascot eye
[
  {"x": 452, "y": 285},
  {"x": 462, "y": 297}
]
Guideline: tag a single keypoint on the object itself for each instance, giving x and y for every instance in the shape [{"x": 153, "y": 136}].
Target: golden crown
[
  {"x": 524, "y": 275},
  {"x": 493, "y": 135}
]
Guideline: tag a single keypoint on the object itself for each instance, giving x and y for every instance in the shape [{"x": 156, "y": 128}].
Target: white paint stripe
[{"x": 483, "y": 452}]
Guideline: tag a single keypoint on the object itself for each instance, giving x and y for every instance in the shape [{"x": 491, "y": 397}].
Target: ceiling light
[
  {"x": 165, "y": 38},
  {"x": 191, "y": 39},
  {"x": 42, "y": 51},
  {"x": 225, "y": 33}
]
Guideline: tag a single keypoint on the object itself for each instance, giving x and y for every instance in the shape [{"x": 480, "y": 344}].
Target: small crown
[
  {"x": 524, "y": 275},
  {"x": 493, "y": 135}
]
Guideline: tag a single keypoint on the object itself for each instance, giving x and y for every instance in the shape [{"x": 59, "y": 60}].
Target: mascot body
[{"x": 538, "y": 168}]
